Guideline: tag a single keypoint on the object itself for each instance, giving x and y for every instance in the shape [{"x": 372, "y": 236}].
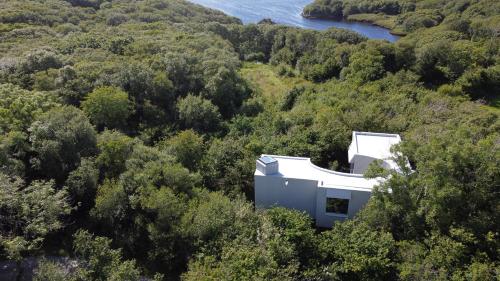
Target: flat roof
[
  {"x": 303, "y": 168},
  {"x": 375, "y": 145}
]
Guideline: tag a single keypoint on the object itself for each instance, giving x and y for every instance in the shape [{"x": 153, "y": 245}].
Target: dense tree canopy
[
  {"x": 108, "y": 107},
  {"x": 129, "y": 132},
  {"x": 60, "y": 138},
  {"x": 29, "y": 214}
]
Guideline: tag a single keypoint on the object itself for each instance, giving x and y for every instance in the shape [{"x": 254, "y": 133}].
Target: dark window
[{"x": 337, "y": 205}]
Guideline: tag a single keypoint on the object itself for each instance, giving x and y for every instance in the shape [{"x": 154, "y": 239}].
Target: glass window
[{"x": 337, "y": 205}]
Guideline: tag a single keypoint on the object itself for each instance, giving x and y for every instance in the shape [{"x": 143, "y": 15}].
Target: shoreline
[
  {"x": 391, "y": 31},
  {"x": 365, "y": 21},
  {"x": 386, "y": 34}
]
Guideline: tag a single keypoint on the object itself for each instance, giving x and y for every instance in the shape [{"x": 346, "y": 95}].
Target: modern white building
[{"x": 327, "y": 196}]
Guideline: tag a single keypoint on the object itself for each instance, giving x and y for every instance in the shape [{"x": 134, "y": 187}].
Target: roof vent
[{"x": 267, "y": 165}]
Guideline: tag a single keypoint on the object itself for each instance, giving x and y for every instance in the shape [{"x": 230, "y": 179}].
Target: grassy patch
[
  {"x": 265, "y": 80},
  {"x": 494, "y": 104}
]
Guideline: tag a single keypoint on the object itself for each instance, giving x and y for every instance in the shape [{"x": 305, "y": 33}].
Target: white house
[{"x": 327, "y": 196}]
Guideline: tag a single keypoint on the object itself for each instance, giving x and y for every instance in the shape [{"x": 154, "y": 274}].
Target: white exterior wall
[
  {"x": 357, "y": 202},
  {"x": 304, "y": 195},
  {"x": 299, "y": 194},
  {"x": 353, "y": 149},
  {"x": 360, "y": 163},
  {"x": 269, "y": 169}
]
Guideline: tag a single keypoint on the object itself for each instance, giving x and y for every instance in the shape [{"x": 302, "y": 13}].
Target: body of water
[{"x": 288, "y": 12}]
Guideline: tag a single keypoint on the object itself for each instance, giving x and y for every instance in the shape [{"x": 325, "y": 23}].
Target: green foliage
[
  {"x": 451, "y": 197},
  {"x": 86, "y": 3},
  {"x": 439, "y": 258},
  {"x": 242, "y": 262},
  {"x": 82, "y": 183},
  {"x": 19, "y": 108},
  {"x": 114, "y": 150},
  {"x": 29, "y": 213},
  {"x": 228, "y": 166},
  {"x": 332, "y": 9},
  {"x": 364, "y": 66},
  {"x": 212, "y": 219},
  {"x": 148, "y": 166},
  {"x": 60, "y": 138},
  {"x": 168, "y": 75},
  {"x": 49, "y": 271},
  {"x": 102, "y": 261},
  {"x": 461, "y": 174},
  {"x": 326, "y": 9},
  {"x": 198, "y": 113},
  {"x": 420, "y": 19},
  {"x": 142, "y": 208},
  {"x": 188, "y": 148},
  {"x": 481, "y": 83},
  {"x": 352, "y": 251},
  {"x": 295, "y": 227},
  {"x": 14, "y": 148},
  {"x": 290, "y": 98},
  {"x": 111, "y": 202},
  {"x": 245, "y": 259},
  {"x": 107, "y": 107},
  {"x": 40, "y": 60}
]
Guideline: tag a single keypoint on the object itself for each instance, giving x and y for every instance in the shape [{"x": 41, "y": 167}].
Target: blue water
[{"x": 288, "y": 12}]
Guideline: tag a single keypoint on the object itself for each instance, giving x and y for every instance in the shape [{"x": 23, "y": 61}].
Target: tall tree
[
  {"x": 28, "y": 214},
  {"x": 60, "y": 138},
  {"x": 108, "y": 107}
]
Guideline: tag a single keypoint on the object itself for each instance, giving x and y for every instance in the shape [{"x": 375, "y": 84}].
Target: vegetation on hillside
[
  {"x": 129, "y": 131},
  {"x": 406, "y": 16}
]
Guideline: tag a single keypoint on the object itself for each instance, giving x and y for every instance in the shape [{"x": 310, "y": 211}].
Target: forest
[{"x": 129, "y": 131}]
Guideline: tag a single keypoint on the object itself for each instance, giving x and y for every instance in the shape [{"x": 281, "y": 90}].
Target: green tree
[
  {"x": 114, "y": 149},
  {"x": 243, "y": 261},
  {"x": 14, "y": 149},
  {"x": 29, "y": 214},
  {"x": 82, "y": 184},
  {"x": 212, "y": 220},
  {"x": 187, "y": 147},
  {"x": 364, "y": 66},
  {"x": 49, "y": 271},
  {"x": 327, "y": 9},
  {"x": 40, "y": 60},
  {"x": 60, "y": 138},
  {"x": 162, "y": 210},
  {"x": 111, "y": 203},
  {"x": 151, "y": 91},
  {"x": 229, "y": 166},
  {"x": 19, "y": 107},
  {"x": 142, "y": 208},
  {"x": 198, "y": 113},
  {"x": 296, "y": 228},
  {"x": 481, "y": 83},
  {"x": 151, "y": 167},
  {"x": 457, "y": 169},
  {"x": 262, "y": 256},
  {"x": 224, "y": 87},
  {"x": 108, "y": 107},
  {"x": 102, "y": 261},
  {"x": 353, "y": 251},
  {"x": 63, "y": 270}
]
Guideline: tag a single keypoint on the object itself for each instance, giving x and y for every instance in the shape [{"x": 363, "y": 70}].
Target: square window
[{"x": 337, "y": 205}]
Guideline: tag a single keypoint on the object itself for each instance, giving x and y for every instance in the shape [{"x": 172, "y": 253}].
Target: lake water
[{"x": 288, "y": 12}]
